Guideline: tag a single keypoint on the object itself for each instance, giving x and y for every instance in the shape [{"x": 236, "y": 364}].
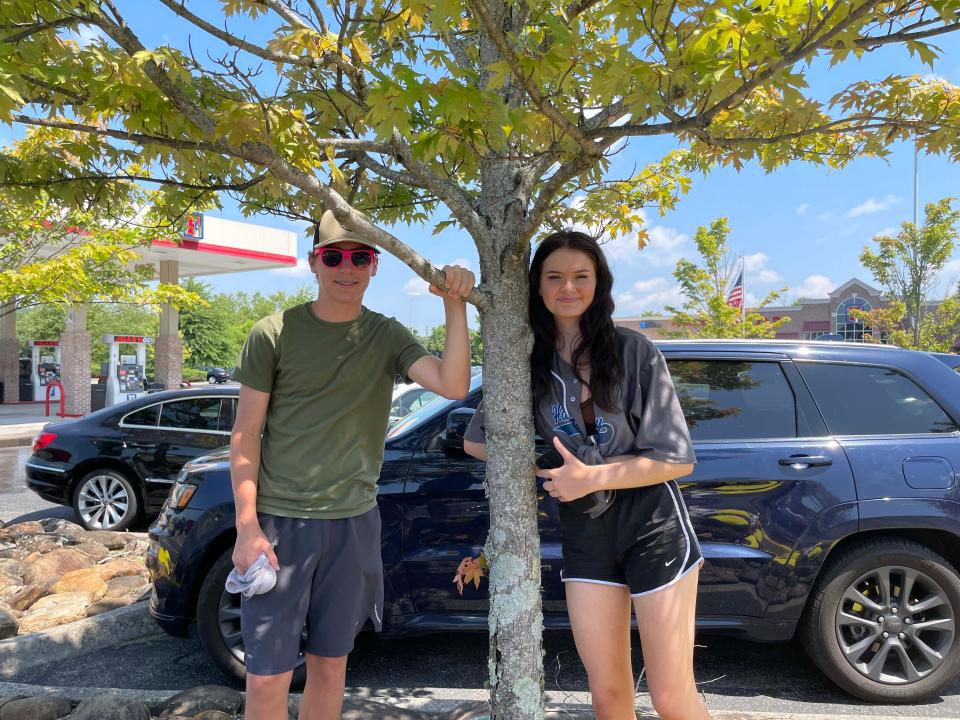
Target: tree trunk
[{"x": 513, "y": 545}]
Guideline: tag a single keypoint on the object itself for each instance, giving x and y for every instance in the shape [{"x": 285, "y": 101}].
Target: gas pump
[
  {"x": 44, "y": 368},
  {"x": 126, "y": 373}
]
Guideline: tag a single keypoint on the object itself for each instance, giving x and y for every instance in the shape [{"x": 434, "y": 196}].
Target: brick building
[{"x": 809, "y": 318}]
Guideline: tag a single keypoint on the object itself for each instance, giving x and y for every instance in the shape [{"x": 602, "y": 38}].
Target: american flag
[{"x": 735, "y": 296}]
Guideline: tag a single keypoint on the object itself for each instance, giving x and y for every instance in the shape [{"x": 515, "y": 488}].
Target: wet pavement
[{"x": 17, "y": 501}]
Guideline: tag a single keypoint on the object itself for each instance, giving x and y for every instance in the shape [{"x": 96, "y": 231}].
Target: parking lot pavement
[
  {"x": 17, "y": 502},
  {"x": 733, "y": 675}
]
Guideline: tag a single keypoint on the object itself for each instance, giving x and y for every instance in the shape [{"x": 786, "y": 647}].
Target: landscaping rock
[
  {"x": 24, "y": 599},
  {"x": 110, "y": 708},
  {"x": 33, "y": 527},
  {"x": 54, "y": 610},
  {"x": 59, "y": 526},
  {"x": 36, "y": 708},
  {"x": 87, "y": 580},
  {"x": 94, "y": 550},
  {"x": 129, "y": 586},
  {"x": 108, "y": 603},
  {"x": 9, "y": 625},
  {"x": 13, "y": 567},
  {"x": 7, "y": 536},
  {"x": 214, "y": 715},
  {"x": 199, "y": 699},
  {"x": 40, "y": 543},
  {"x": 112, "y": 540},
  {"x": 122, "y": 566},
  {"x": 48, "y": 569},
  {"x": 10, "y": 698},
  {"x": 9, "y": 581},
  {"x": 13, "y": 552}
]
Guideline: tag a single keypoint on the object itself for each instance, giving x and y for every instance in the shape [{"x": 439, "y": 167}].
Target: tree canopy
[
  {"x": 910, "y": 267},
  {"x": 498, "y": 116},
  {"x": 706, "y": 287}
]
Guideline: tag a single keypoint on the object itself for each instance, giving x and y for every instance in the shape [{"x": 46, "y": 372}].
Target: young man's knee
[
  {"x": 321, "y": 667},
  {"x": 268, "y": 684}
]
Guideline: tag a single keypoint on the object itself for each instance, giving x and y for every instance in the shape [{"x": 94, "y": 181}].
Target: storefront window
[{"x": 851, "y": 328}]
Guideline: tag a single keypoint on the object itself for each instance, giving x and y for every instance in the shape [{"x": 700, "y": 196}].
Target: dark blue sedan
[{"x": 825, "y": 500}]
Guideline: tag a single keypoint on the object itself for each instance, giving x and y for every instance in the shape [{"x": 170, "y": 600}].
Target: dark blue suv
[{"x": 825, "y": 500}]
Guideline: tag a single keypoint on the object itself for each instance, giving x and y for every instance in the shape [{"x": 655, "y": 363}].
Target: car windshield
[{"x": 430, "y": 410}]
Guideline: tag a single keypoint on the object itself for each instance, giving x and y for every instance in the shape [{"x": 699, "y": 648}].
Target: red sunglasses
[{"x": 333, "y": 257}]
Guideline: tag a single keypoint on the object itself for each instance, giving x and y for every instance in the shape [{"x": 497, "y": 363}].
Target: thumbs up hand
[{"x": 570, "y": 481}]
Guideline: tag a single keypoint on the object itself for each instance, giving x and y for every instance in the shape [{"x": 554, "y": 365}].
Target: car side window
[
  {"x": 421, "y": 399},
  {"x": 201, "y": 413},
  {"x": 228, "y": 413},
  {"x": 146, "y": 416},
  {"x": 734, "y": 400},
  {"x": 871, "y": 400}
]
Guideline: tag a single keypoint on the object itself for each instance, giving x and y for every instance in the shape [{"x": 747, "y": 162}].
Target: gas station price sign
[{"x": 129, "y": 339}]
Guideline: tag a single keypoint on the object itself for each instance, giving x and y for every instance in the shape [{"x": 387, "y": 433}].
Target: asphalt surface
[
  {"x": 17, "y": 502},
  {"x": 734, "y": 675}
]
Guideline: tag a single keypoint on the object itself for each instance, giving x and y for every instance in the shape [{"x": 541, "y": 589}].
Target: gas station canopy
[{"x": 212, "y": 245}]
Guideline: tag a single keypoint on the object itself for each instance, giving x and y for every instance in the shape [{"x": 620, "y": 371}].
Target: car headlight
[{"x": 181, "y": 494}]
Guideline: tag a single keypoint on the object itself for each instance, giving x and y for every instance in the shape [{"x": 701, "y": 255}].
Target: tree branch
[
  {"x": 526, "y": 81},
  {"x": 70, "y": 20},
  {"x": 214, "y": 187}
]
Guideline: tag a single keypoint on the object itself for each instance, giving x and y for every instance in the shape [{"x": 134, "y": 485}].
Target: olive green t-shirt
[{"x": 330, "y": 388}]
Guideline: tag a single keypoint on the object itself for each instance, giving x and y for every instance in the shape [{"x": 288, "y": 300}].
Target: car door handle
[{"x": 799, "y": 462}]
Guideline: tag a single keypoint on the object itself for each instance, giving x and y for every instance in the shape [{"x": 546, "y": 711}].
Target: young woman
[{"x": 604, "y": 398}]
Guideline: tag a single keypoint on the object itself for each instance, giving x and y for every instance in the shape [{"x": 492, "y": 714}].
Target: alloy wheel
[
  {"x": 103, "y": 502},
  {"x": 895, "y": 625}
]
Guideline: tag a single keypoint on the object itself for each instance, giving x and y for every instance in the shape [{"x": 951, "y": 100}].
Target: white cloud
[
  {"x": 648, "y": 295},
  {"x": 462, "y": 262},
  {"x": 890, "y": 231},
  {"x": 814, "y": 286},
  {"x": 301, "y": 270},
  {"x": 872, "y": 205},
  {"x": 415, "y": 286},
  {"x": 757, "y": 271},
  {"x": 803, "y": 209}
]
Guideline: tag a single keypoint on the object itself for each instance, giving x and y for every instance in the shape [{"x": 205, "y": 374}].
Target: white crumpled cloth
[{"x": 259, "y": 578}]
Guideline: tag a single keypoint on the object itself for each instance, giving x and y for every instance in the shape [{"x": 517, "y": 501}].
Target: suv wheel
[
  {"x": 106, "y": 500},
  {"x": 882, "y": 623},
  {"x": 211, "y": 379},
  {"x": 218, "y": 623}
]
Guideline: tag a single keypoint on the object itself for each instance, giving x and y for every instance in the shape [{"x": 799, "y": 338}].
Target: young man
[{"x": 316, "y": 381}]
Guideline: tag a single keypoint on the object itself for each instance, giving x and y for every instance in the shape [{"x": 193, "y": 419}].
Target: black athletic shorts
[{"x": 644, "y": 541}]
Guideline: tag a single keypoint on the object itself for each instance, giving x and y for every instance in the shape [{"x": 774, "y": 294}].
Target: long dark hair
[{"x": 599, "y": 347}]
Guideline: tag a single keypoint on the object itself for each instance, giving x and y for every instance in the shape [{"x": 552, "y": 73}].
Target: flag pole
[{"x": 743, "y": 290}]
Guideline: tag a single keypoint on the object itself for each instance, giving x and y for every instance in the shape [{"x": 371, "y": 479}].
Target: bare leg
[
  {"x": 323, "y": 694},
  {"x": 267, "y": 696},
  {"x": 600, "y": 617},
  {"x": 666, "y": 622}
]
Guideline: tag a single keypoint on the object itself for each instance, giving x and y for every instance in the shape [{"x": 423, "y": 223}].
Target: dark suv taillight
[{"x": 43, "y": 439}]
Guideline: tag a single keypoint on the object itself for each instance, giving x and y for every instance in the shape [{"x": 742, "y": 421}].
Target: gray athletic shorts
[{"x": 330, "y": 582}]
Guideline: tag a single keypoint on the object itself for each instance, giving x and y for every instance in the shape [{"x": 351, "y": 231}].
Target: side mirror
[{"x": 457, "y": 421}]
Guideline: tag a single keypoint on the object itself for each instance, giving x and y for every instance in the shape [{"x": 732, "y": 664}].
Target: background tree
[
  {"x": 909, "y": 267},
  {"x": 204, "y": 330},
  {"x": 497, "y": 111},
  {"x": 705, "y": 312},
  {"x": 46, "y": 322},
  {"x": 77, "y": 244},
  {"x": 435, "y": 339}
]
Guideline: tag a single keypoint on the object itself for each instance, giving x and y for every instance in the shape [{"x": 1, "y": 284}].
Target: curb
[
  {"x": 77, "y": 638},
  {"x": 17, "y": 441},
  {"x": 458, "y": 703}
]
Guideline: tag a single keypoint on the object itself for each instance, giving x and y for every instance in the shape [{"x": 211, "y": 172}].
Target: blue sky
[{"x": 801, "y": 228}]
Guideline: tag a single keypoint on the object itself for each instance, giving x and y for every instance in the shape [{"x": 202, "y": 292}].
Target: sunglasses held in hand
[{"x": 333, "y": 257}]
